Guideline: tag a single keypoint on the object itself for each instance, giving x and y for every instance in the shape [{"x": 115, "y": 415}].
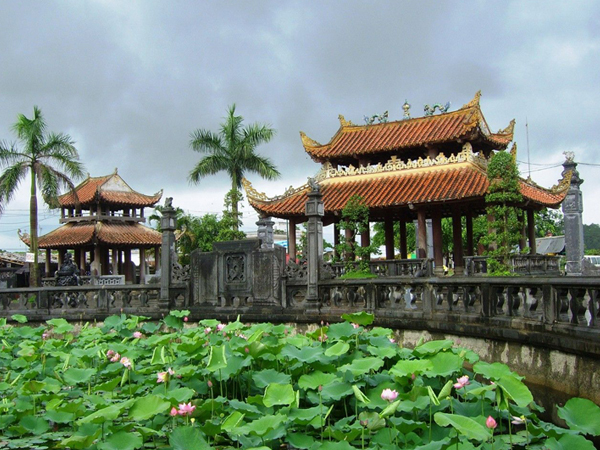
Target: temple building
[
  {"x": 413, "y": 169},
  {"x": 102, "y": 224}
]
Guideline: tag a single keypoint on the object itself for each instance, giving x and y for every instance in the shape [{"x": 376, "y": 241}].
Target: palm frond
[
  {"x": 9, "y": 154},
  {"x": 31, "y": 131},
  {"x": 206, "y": 141},
  {"x": 256, "y": 134},
  {"x": 231, "y": 129},
  {"x": 9, "y": 183},
  {"x": 262, "y": 166},
  {"x": 208, "y": 165}
]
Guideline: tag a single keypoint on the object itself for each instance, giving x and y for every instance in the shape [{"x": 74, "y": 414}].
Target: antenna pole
[{"x": 528, "y": 159}]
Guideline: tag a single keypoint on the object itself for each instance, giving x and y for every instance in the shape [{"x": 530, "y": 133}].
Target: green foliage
[
  {"x": 591, "y": 237},
  {"x": 50, "y": 159},
  {"x": 549, "y": 222},
  {"x": 355, "y": 220},
  {"x": 262, "y": 386},
  {"x": 502, "y": 202},
  {"x": 232, "y": 150}
]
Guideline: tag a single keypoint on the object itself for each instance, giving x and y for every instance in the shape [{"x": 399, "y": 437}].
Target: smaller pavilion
[
  {"x": 102, "y": 223},
  {"x": 414, "y": 169}
]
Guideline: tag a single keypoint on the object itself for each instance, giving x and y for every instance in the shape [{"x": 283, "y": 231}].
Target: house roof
[
  {"x": 466, "y": 124},
  {"x": 109, "y": 189},
  {"x": 73, "y": 235},
  {"x": 400, "y": 184}
]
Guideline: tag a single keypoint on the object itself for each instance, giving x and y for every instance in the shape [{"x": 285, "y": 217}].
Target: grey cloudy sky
[{"x": 130, "y": 80}]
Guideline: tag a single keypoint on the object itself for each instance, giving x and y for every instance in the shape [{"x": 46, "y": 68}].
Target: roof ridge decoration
[
  {"x": 344, "y": 122},
  {"x": 474, "y": 101},
  {"x": 513, "y": 152},
  {"x": 308, "y": 142},
  {"x": 253, "y": 194},
  {"x": 395, "y": 164},
  {"x": 563, "y": 184},
  {"x": 509, "y": 130}
]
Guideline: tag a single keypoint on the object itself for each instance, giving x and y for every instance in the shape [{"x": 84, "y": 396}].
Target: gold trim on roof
[
  {"x": 509, "y": 129},
  {"x": 474, "y": 102},
  {"x": 513, "y": 152},
  {"x": 344, "y": 122},
  {"x": 563, "y": 184},
  {"x": 308, "y": 142},
  {"x": 253, "y": 194}
]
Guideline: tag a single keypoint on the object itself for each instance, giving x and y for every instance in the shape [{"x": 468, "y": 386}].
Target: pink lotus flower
[
  {"x": 185, "y": 319},
  {"x": 163, "y": 377},
  {"x": 355, "y": 325},
  {"x": 110, "y": 353},
  {"x": 389, "y": 395},
  {"x": 462, "y": 382},
  {"x": 174, "y": 412},
  {"x": 490, "y": 423},
  {"x": 518, "y": 420},
  {"x": 209, "y": 383},
  {"x": 392, "y": 340},
  {"x": 323, "y": 338},
  {"x": 116, "y": 357},
  {"x": 221, "y": 326},
  {"x": 247, "y": 350},
  {"x": 186, "y": 409},
  {"x": 126, "y": 362},
  {"x": 207, "y": 330},
  {"x": 138, "y": 334}
]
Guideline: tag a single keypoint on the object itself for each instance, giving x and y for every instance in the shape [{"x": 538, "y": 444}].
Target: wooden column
[
  {"x": 469, "y": 251},
  {"x": 48, "y": 262},
  {"x": 336, "y": 240},
  {"x": 421, "y": 234},
  {"x": 115, "y": 261},
  {"x": 459, "y": 265},
  {"x": 82, "y": 261},
  {"x": 389, "y": 238},
  {"x": 438, "y": 256},
  {"x": 156, "y": 259},
  {"x": 142, "y": 265},
  {"x": 128, "y": 275},
  {"x": 403, "y": 240},
  {"x": 523, "y": 238},
  {"x": 365, "y": 239},
  {"x": 531, "y": 232},
  {"x": 292, "y": 240}
]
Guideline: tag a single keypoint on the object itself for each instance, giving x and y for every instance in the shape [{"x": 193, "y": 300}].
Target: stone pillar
[
  {"x": 115, "y": 261},
  {"x": 167, "y": 224},
  {"x": 421, "y": 234},
  {"x": 265, "y": 232},
  {"x": 438, "y": 255},
  {"x": 96, "y": 266},
  {"x": 459, "y": 265},
  {"x": 142, "y": 265},
  {"x": 531, "y": 232},
  {"x": 336, "y": 240},
  {"x": 572, "y": 209},
  {"x": 129, "y": 273},
  {"x": 292, "y": 240},
  {"x": 48, "y": 262},
  {"x": 403, "y": 241},
  {"x": 156, "y": 259},
  {"x": 82, "y": 261},
  {"x": 314, "y": 242},
  {"x": 389, "y": 238}
]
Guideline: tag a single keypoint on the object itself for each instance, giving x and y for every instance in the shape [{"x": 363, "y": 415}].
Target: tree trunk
[
  {"x": 234, "y": 207},
  {"x": 33, "y": 233}
]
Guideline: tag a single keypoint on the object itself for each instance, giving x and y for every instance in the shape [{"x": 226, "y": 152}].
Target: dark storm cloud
[{"x": 131, "y": 80}]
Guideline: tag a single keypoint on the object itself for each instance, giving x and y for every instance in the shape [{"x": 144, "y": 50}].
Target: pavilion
[
  {"x": 419, "y": 168},
  {"x": 104, "y": 217}
]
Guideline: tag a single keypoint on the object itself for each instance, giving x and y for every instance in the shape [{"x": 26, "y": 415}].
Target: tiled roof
[
  {"x": 110, "y": 189},
  {"x": 462, "y": 181},
  {"x": 79, "y": 234},
  {"x": 352, "y": 140}
]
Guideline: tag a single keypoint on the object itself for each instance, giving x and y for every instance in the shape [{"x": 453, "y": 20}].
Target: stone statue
[
  {"x": 68, "y": 274},
  {"x": 169, "y": 202}
]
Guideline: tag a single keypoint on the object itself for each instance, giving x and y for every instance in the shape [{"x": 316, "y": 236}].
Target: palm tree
[
  {"x": 51, "y": 159},
  {"x": 232, "y": 151}
]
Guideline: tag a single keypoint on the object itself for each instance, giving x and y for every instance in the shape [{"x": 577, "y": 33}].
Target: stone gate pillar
[
  {"x": 265, "y": 232},
  {"x": 167, "y": 224},
  {"x": 572, "y": 209},
  {"x": 314, "y": 241}
]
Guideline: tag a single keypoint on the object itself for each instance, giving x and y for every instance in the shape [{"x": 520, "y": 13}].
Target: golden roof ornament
[
  {"x": 344, "y": 122},
  {"x": 569, "y": 156},
  {"x": 474, "y": 102},
  {"x": 563, "y": 184},
  {"x": 513, "y": 152},
  {"x": 406, "y": 108},
  {"x": 509, "y": 129},
  {"x": 308, "y": 142}
]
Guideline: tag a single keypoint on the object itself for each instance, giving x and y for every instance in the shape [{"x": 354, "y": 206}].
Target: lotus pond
[{"x": 131, "y": 383}]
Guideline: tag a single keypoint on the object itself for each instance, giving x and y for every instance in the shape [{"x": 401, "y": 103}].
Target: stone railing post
[
  {"x": 265, "y": 232},
  {"x": 572, "y": 209},
  {"x": 168, "y": 225},
  {"x": 314, "y": 241}
]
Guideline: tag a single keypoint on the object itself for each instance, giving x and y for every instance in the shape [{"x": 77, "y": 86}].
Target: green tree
[
  {"x": 549, "y": 221},
  {"x": 506, "y": 218},
  {"x": 232, "y": 150},
  {"x": 591, "y": 237},
  {"x": 51, "y": 160}
]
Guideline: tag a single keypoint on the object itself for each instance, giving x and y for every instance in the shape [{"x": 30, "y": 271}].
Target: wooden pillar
[
  {"x": 438, "y": 255},
  {"x": 459, "y": 265},
  {"x": 61, "y": 257},
  {"x": 128, "y": 275},
  {"x": 403, "y": 240},
  {"x": 389, "y": 238},
  {"x": 421, "y": 234},
  {"x": 336, "y": 240},
  {"x": 82, "y": 261},
  {"x": 469, "y": 251},
  {"x": 48, "y": 262},
  {"x": 523, "y": 238},
  {"x": 142, "y": 265},
  {"x": 365, "y": 239},
  {"x": 115, "y": 261},
  {"x": 531, "y": 231},
  {"x": 292, "y": 240}
]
